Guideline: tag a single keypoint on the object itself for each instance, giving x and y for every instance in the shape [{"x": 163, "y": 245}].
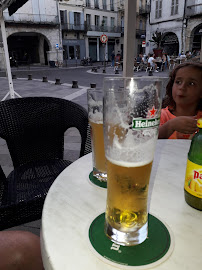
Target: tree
[{"x": 157, "y": 39}]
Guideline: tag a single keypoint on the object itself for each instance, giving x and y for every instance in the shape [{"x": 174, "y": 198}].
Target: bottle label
[{"x": 193, "y": 179}]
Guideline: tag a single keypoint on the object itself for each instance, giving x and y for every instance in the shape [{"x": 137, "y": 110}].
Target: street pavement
[{"x": 36, "y": 87}]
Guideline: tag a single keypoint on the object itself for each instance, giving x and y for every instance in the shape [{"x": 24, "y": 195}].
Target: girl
[{"x": 183, "y": 102}]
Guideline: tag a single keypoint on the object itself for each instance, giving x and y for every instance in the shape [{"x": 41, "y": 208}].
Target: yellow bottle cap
[{"x": 199, "y": 123}]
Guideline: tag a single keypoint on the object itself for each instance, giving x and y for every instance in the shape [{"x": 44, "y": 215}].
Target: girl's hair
[{"x": 168, "y": 100}]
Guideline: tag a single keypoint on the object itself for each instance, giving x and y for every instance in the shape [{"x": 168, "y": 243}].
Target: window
[
  {"x": 104, "y": 23},
  {"x": 122, "y": 24},
  {"x": 62, "y": 16},
  {"x": 97, "y": 22},
  {"x": 112, "y": 5},
  {"x": 112, "y": 22},
  {"x": 96, "y": 3},
  {"x": 140, "y": 4},
  {"x": 140, "y": 25},
  {"x": 104, "y": 3},
  {"x": 65, "y": 53},
  {"x": 71, "y": 52},
  {"x": 88, "y": 19},
  {"x": 174, "y": 7},
  {"x": 158, "y": 13},
  {"x": 77, "y": 52},
  {"x": 88, "y": 3},
  {"x": 77, "y": 20}
]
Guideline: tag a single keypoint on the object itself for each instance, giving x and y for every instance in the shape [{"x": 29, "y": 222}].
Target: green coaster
[
  {"x": 153, "y": 251},
  {"x": 97, "y": 182}
]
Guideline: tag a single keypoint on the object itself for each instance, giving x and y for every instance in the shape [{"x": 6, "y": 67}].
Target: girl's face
[{"x": 187, "y": 87}]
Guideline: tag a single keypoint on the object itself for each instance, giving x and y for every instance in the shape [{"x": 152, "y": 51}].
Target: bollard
[
  {"x": 14, "y": 76},
  {"x": 57, "y": 81},
  {"x": 45, "y": 79},
  {"x": 116, "y": 71},
  {"x": 75, "y": 84},
  {"x": 150, "y": 73},
  {"x": 29, "y": 76},
  {"x": 94, "y": 69},
  {"x": 93, "y": 85}
]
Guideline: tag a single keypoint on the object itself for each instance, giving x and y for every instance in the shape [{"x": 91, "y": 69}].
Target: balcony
[
  {"x": 144, "y": 10},
  {"x": 109, "y": 29},
  {"x": 139, "y": 32},
  {"x": 24, "y": 18},
  {"x": 72, "y": 27},
  {"x": 193, "y": 10}
]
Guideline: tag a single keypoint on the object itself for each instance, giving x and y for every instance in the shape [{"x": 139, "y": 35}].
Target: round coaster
[
  {"x": 97, "y": 182},
  {"x": 153, "y": 251}
]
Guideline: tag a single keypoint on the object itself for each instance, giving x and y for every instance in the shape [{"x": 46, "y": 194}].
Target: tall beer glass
[
  {"x": 95, "y": 115},
  {"x": 131, "y": 119}
]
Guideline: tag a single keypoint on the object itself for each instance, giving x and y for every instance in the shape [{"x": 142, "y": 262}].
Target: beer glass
[
  {"x": 95, "y": 115},
  {"x": 131, "y": 119}
]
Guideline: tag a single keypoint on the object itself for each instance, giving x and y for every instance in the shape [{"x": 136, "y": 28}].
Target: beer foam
[
  {"x": 129, "y": 164},
  {"x": 96, "y": 117},
  {"x": 136, "y": 148}
]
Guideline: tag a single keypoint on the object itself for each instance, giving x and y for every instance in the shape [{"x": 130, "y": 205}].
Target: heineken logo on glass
[
  {"x": 145, "y": 123},
  {"x": 140, "y": 123}
]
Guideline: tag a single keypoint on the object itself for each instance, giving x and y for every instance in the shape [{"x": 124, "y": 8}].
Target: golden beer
[
  {"x": 98, "y": 147},
  {"x": 128, "y": 185}
]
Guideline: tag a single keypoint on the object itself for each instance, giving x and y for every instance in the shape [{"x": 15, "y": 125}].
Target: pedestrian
[
  {"x": 152, "y": 62},
  {"x": 20, "y": 251},
  {"x": 112, "y": 58},
  {"x": 183, "y": 102}
]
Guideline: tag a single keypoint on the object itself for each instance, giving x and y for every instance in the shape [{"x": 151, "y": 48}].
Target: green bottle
[{"x": 193, "y": 177}]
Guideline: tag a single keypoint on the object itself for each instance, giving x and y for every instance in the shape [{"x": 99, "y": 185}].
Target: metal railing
[
  {"x": 31, "y": 18},
  {"x": 104, "y": 28},
  {"x": 84, "y": 27},
  {"x": 144, "y": 10}
]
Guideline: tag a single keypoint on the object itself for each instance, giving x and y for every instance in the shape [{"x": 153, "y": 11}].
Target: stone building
[
  {"x": 83, "y": 23},
  {"x": 180, "y": 22},
  {"x": 33, "y": 32}
]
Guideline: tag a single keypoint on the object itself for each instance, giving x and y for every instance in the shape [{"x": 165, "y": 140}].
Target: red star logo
[{"x": 152, "y": 111}]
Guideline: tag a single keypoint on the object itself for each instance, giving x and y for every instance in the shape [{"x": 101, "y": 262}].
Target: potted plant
[{"x": 157, "y": 39}]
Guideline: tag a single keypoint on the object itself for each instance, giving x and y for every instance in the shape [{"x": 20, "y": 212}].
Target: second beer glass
[
  {"x": 131, "y": 119},
  {"x": 95, "y": 116}
]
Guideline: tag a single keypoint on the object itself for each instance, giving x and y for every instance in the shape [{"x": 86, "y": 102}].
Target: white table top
[{"x": 73, "y": 202}]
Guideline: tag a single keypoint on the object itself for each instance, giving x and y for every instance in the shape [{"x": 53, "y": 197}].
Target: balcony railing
[
  {"x": 31, "y": 18},
  {"x": 144, "y": 10},
  {"x": 139, "y": 32},
  {"x": 109, "y": 29},
  {"x": 73, "y": 27},
  {"x": 85, "y": 28},
  {"x": 193, "y": 10}
]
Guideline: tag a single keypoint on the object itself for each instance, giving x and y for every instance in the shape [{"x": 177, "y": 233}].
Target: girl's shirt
[{"x": 166, "y": 115}]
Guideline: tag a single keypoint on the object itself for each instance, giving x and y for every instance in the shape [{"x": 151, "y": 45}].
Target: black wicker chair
[{"x": 34, "y": 130}]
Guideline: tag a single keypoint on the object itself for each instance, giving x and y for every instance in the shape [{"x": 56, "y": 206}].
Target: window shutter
[
  {"x": 65, "y": 16},
  {"x": 71, "y": 19},
  {"x": 82, "y": 21}
]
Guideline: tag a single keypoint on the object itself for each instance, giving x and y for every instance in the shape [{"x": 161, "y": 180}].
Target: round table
[{"x": 73, "y": 202}]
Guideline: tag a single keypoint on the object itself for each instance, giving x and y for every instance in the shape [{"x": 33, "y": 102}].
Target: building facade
[
  {"x": 83, "y": 23},
  {"x": 33, "y": 32},
  {"x": 180, "y": 22}
]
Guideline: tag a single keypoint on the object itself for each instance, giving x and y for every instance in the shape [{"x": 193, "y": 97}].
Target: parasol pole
[
  {"x": 7, "y": 60},
  {"x": 129, "y": 37}
]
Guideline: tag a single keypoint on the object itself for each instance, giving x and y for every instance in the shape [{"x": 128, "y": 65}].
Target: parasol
[{"x": 13, "y": 6}]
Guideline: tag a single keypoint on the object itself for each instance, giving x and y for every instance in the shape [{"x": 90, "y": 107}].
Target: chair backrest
[{"x": 34, "y": 127}]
